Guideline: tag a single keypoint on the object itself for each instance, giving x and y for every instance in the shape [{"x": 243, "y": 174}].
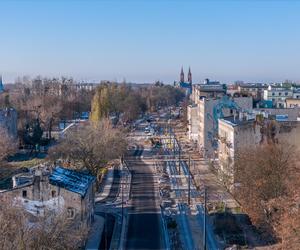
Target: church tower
[
  {"x": 190, "y": 76},
  {"x": 181, "y": 75}
]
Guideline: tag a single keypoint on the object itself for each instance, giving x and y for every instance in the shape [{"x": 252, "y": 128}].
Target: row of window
[
  {"x": 24, "y": 193},
  {"x": 286, "y": 93}
]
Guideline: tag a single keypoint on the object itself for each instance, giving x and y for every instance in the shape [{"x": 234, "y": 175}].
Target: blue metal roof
[
  {"x": 71, "y": 180},
  {"x": 185, "y": 85}
]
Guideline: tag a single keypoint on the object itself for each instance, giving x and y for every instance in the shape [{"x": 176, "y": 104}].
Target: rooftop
[
  {"x": 71, "y": 180},
  {"x": 236, "y": 121}
]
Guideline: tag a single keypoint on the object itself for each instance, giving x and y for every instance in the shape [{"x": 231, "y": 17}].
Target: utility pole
[
  {"x": 189, "y": 181},
  {"x": 204, "y": 220}
]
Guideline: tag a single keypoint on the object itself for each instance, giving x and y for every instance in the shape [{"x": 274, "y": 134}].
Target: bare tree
[
  {"x": 21, "y": 230},
  {"x": 7, "y": 144},
  {"x": 269, "y": 190},
  {"x": 91, "y": 147}
]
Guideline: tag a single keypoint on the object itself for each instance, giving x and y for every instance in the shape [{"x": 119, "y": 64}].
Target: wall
[
  {"x": 193, "y": 122},
  {"x": 207, "y": 134},
  {"x": 293, "y": 113},
  {"x": 39, "y": 198},
  {"x": 291, "y": 103},
  {"x": 236, "y": 137}
]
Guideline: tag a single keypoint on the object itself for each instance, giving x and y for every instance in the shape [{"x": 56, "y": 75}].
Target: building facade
[
  {"x": 245, "y": 132},
  {"x": 278, "y": 95},
  {"x": 56, "y": 190},
  {"x": 292, "y": 102},
  {"x": 204, "y": 114}
]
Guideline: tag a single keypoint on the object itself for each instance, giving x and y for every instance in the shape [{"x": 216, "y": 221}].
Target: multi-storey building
[
  {"x": 255, "y": 90},
  {"x": 207, "y": 89},
  {"x": 278, "y": 95},
  {"x": 234, "y": 134},
  {"x": 242, "y": 132},
  {"x": 210, "y": 102}
]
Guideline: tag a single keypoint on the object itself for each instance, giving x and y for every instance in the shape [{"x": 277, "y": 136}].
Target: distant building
[
  {"x": 58, "y": 190},
  {"x": 256, "y": 90},
  {"x": 8, "y": 120},
  {"x": 291, "y": 114},
  {"x": 208, "y": 89},
  {"x": 1, "y": 85},
  {"x": 187, "y": 86},
  {"x": 296, "y": 94},
  {"x": 292, "y": 102},
  {"x": 278, "y": 95}
]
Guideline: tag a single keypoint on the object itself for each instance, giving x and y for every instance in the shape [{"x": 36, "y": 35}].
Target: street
[{"x": 144, "y": 223}]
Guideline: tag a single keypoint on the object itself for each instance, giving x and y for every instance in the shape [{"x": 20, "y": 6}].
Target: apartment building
[
  {"x": 203, "y": 119},
  {"x": 242, "y": 132},
  {"x": 278, "y": 95}
]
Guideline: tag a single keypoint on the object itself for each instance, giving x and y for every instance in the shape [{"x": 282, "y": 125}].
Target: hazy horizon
[{"x": 253, "y": 41}]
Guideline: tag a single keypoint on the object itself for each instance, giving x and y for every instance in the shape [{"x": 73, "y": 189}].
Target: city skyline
[{"x": 143, "y": 42}]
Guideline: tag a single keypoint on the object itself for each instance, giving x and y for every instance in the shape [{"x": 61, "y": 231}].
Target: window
[
  {"x": 53, "y": 193},
  {"x": 273, "y": 93},
  {"x": 71, "y": 212},
  {"x": 24, "y": 193},
  {"x": 279, "y": 93},
  {"x": 286, "y": 93}
]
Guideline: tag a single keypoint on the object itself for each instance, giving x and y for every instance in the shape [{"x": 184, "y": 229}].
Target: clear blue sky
[{"x": 143, "y": 41}]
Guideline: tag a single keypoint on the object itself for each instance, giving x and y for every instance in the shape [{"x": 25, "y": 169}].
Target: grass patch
[{"x": 27, "y": 164}]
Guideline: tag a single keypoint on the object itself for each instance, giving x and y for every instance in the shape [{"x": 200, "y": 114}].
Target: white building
[
  {"x": 278, "y": 95},
  {"x": 203, "y": 120}
]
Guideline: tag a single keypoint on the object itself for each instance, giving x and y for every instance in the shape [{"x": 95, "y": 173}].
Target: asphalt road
[{"x": 144, "y": 224}]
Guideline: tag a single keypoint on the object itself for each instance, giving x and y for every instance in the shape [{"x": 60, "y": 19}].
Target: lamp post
[
  {"x": 204, "y": 221},
  {"x": 189, "y": 181}
]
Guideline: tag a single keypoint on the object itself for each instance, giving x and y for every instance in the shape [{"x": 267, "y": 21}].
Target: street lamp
[{"x": 204, "y": 221}]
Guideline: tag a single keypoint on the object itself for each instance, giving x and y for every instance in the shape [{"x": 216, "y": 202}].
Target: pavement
[{"x": 105, "y": 191}]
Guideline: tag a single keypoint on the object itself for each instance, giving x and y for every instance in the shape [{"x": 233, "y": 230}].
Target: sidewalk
[
  {"x": 106, "y": 186},
  {"x": 203, "y": 176}
]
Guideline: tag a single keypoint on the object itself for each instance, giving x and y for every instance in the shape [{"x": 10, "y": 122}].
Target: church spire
[
  {"x": 190, "y": 76},
  {"x": 181, "y": 75}
]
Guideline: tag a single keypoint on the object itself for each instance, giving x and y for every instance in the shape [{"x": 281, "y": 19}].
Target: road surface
[{"x": 144, "y": 223}]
